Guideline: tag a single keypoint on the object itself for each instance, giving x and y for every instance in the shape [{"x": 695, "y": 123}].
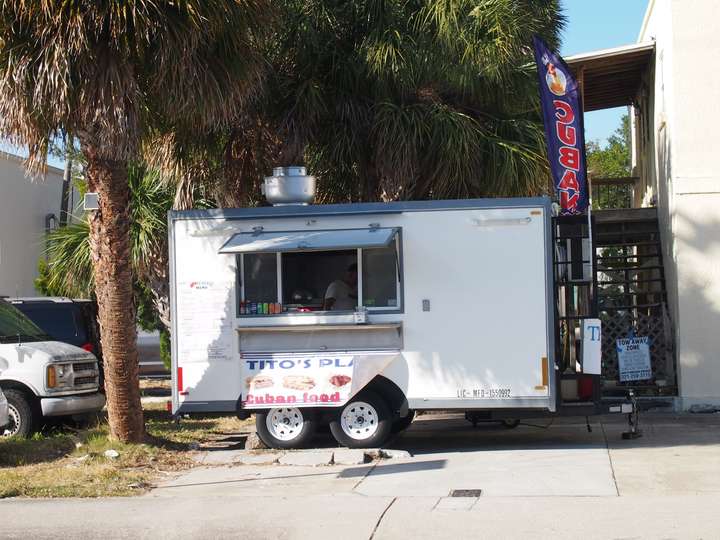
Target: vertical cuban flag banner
[{"x": 563, "y": 118}]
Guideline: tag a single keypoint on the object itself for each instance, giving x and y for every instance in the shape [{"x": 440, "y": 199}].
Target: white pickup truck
[{"x": 42, "y": 378}]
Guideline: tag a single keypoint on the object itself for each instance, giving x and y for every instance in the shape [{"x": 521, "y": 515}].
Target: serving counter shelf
[
  {"x": 320, "y": 327},
  {"x": 320, "y": 337}
]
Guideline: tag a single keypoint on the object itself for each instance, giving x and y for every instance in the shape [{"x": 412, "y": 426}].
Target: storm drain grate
[{"x": 465, "y": 492}]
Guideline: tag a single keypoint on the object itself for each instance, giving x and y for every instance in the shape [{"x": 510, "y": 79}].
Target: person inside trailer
[{"x": 342, "y": 294}]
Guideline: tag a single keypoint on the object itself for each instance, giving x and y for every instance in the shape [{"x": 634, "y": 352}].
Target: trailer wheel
[
  {"x": 510, "y": 423},
  {"x": 364, "y": 422},
  {"x": 402, "y": 424},
  {"x": 285, "y": 427}
]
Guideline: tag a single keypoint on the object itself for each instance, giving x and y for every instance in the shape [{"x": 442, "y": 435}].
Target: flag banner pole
[{"x": 562, "y": 111}]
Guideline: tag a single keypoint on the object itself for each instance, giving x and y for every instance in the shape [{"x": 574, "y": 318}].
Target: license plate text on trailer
[{"x": 483, "y": 393}]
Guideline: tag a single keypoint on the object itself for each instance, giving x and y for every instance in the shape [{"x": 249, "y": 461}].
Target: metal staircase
[{"x": 632, "y": 295}]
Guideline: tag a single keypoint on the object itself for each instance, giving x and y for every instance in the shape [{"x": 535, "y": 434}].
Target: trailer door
[{"x": 479, "y": 331}]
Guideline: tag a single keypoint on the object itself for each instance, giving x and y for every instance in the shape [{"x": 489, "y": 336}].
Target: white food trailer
[{"x": 455, "y": 310}]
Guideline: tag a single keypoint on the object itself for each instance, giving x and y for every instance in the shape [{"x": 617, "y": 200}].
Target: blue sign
[{"x": 563, "y": 119}]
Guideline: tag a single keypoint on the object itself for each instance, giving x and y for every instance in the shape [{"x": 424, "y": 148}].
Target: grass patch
[
  {"x": 40, "y": 448},
  {"x": 193, "y": 430},
  {"x": 72, "y": 463},
  {"x": 155, "y": 387}
]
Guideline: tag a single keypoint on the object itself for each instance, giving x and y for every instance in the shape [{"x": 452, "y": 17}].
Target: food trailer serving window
[{"x": 300, "y": 271}]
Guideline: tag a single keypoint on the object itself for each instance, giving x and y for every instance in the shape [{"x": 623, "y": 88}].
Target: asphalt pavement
[{"x": 535, "y": 481}]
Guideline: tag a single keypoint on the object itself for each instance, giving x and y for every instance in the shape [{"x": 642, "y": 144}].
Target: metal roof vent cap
[{"x": 289, "y": 185}]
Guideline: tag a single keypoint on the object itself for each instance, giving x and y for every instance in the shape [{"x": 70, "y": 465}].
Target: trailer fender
[{"x": 391, "y": 393}]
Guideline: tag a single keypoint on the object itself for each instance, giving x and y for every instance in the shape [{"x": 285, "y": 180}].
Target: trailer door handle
[{"x": 501, "y": 222}]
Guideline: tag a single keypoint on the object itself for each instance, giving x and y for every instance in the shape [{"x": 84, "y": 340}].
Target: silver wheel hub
[
  {"x": 14, "y": 422},
  {"x": 285, "y": 424},
  {"x": 359, "y": 420}
]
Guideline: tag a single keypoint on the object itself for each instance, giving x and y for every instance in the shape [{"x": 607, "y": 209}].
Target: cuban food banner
[
  {"x": 563, "y": 118},
  {"x": 318, "y": 379}
]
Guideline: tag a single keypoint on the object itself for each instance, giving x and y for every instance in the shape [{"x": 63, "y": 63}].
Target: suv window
[
  {"x": 14, "y": 326},
  {"x": 63, "y": 321}
]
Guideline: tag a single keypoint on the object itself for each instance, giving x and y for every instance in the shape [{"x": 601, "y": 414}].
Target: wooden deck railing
[{"x": 609, "y": 192}]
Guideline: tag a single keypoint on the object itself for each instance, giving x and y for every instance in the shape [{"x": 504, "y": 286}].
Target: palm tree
[
  {"x": 110, "y": 73},
  {"x": 401, "y": 99},
  {"x": 67, "y": 268}
]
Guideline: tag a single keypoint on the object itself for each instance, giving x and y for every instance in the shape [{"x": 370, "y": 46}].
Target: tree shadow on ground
[
  {"x": 58, "y": 438},
  {"x": 16, "y": 452}
]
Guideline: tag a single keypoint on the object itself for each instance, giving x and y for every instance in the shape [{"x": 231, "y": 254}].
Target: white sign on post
[
  {"x": 592, "y": 346},
  {"x": 634, "y": 358}
]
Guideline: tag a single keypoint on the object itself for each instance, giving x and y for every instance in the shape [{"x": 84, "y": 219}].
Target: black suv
[
  {"x": 75, "y": 322},
  {"x": 66, "y": 320}
]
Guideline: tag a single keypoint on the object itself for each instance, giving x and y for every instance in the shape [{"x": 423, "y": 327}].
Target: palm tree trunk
[
  {"x": 370, "y": 188},
  {"x": 158, "y": 281},
  {"x": 110, "y": 248},
  {"x": 65, "y": 192}
]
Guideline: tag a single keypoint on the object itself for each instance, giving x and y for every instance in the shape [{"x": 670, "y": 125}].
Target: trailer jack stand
[
  {"x": 633, "y": 419},
  {"x": 587, "y": 424}
]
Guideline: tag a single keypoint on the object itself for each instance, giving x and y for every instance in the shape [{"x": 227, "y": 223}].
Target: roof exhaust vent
[{"x": 288, "y": 186}]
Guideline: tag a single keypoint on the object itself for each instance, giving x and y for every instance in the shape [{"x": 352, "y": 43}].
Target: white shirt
[{"x": 341, "y": 292}]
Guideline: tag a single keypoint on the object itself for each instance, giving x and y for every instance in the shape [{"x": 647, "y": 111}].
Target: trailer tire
[
  {"x": 510, "y": 423},
  {"x": 21, "y": 414},
  {"x": 365, "y": 422},
  {"x": 401, "y": 424},
  {"x": 285, "y": 427}
]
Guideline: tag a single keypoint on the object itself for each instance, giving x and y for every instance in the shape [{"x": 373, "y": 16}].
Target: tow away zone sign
[{"x": 634, "y": 358}]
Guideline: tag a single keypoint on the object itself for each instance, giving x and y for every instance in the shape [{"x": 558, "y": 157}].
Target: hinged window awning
[{"x": 274, "y": 242}]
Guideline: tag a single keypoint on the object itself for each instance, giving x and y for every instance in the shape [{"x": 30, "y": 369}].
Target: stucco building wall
[
  {"x": 24, "y": 204},
  {"x": 682, "y": 102}
]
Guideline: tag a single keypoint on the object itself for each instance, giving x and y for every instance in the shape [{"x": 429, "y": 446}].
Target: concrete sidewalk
[
  {"x": 354, "y": 517},
  {"x": 534, "y": 483}
]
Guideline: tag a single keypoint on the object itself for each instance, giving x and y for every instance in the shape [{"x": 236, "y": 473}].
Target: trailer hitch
[{"x": 633, "y": 418}]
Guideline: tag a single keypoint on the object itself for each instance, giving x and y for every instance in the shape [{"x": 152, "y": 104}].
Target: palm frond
[
  {"x": 108, "y": 71},
  {"x": 69, "y": 267},
  {"x": 68, "y": 252},
  {"x": 396, "y": 99}
]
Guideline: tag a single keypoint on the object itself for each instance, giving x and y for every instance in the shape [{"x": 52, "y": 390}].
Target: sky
[
  {"x": 591, "y": 25},
  {"x": 601, "y": 24}
]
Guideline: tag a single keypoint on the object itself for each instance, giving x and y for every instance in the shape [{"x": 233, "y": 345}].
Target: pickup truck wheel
[
  {"x": 285, "y": 427},
  {"x": 365, "y": 422},
  {"x": 21, "y": 415}
]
